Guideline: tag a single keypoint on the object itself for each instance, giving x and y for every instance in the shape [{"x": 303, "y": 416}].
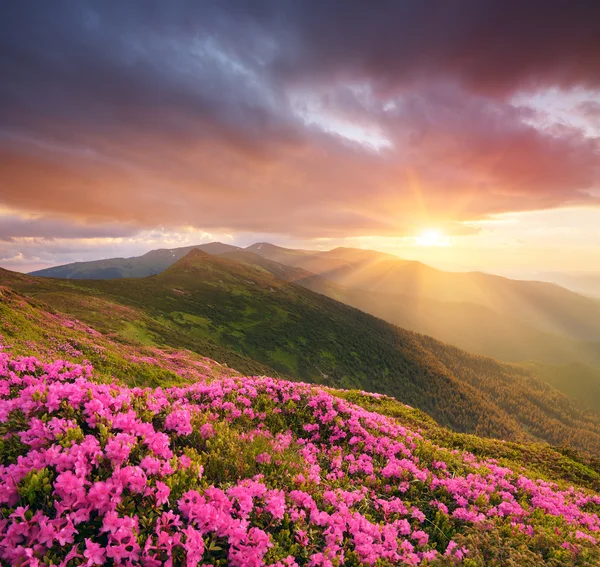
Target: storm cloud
[{"x": 311, "y": 119}]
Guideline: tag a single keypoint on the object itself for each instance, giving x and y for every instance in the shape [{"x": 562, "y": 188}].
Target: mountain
[
  {"x": 281, "y": 271},
  {"x": 542, "y": 305},
  {"x": 221, "y": 469},
  {"x": 248, "y": 313},
  {"x": 509, "y": 319},
  {"x": 324, "y": 264},
  {"x": 579, "y": 282},
  {"x": 152, "y": 262},
  {"x": 469, "y": 326}
]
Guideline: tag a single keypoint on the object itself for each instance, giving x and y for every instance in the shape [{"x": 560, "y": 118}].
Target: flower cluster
[{"x": 248, "y": 472}]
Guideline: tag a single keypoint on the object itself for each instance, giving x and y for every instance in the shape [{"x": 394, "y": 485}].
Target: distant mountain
[
  {"x": 248, "y": 313},
  {"x": 507, "y": 319},
  {"x": 542, "y": 305},
  {"x": 579, "y": 282},
  {"x": 326, "y": 264},
  {"x": 151, "y": 263},
  {"x": 469, "y": 326}
]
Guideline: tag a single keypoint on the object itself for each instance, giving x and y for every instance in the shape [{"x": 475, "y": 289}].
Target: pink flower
[
  {"x": 162, "y": 493},
  {"x": 275, "y": 503},
  {"x": 193, "y": 545},
  {"x": 368, "y": 483},
  {"x": 179, "y": 421},
  {"x": 94, "y": 553},
  {"x": 207, "y": 431},
  {"x": 119, "y": 447}
]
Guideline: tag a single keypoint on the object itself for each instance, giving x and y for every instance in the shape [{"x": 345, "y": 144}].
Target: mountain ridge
[
  {"x": 517, "y": 327},
  {"x": 152, "y": 262},
  {"x": 307, "y": 335},
  {"x": 464, "y": 325}
]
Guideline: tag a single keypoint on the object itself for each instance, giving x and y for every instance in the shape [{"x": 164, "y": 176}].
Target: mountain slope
[
  {"x": 309, "y": 336},
  {"x": 252, "y": 471},
  {"x": 579, "y": 282},
  {"x": 70, "y": 324},
  {"x": 474, "y": 328},
  {"x": 576, "y": 380},
  {"x": 508, "y": 319},
  {"x": 539, "y": 304},
  {"x": 29, "y": 327}
]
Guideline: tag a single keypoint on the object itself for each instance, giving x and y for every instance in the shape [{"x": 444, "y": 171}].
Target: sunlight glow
[{"x": 432, "y": 237}]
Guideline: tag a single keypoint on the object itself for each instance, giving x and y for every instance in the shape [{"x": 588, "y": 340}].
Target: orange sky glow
[{"x": 123, "y": 131}]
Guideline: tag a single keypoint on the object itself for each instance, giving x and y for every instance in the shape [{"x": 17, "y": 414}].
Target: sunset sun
[{"x": 432, "y": 237}]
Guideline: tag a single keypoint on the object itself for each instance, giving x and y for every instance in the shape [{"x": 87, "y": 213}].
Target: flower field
[{"x": 255, "y": 471}]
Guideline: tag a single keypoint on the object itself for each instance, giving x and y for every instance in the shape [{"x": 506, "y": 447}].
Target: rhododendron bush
[{"x": 255, "y": 471}]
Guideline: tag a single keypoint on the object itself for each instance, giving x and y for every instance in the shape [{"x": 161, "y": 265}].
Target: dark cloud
[
  {"x": 243, "y": 115},
  {"x": 495, "y": 46}
]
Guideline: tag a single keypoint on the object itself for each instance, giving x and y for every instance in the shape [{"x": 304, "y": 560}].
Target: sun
[{"x": 432, "y": 237}]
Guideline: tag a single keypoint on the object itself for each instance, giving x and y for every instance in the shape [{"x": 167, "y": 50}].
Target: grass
[
  {"x": 28, "y": 327},
  {"x": 258, "y": 324}
]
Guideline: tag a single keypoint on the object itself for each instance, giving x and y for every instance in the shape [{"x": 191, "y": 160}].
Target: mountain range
[
  {"x": 244, "y": 316},
  {"x": 512, "y": 320}
]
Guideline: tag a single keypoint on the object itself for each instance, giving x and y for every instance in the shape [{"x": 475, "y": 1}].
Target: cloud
[
  {"x": 494, "y": 47},
  {"x": 300, "y": 118},
  {"x": 591, "y": 110},
  {"x": 14, "y": 226}
]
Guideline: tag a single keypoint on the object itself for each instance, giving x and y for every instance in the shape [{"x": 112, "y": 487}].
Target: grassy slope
[
  {"x": 28, "y": 327},
  {"x": 204, "y": 301},
  {"x": 474, "y": 328},
  {"x": 118, "y": 337},
  {"x": 470, "y": 327}
]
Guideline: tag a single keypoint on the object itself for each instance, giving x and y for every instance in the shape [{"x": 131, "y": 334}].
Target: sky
[{"x": 463, "y": 134}]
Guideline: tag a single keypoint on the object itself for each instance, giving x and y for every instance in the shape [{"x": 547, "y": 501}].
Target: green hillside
[
  {"x": 29, "y": 327},
  {"x": 255, "y": 446},
  {"x": 243, "y": 312},
  {"x": 510, "y": 320},
  {"x": 576, "y": 380},
  {"x": 542, "y": 305},
  {"x": 472, "y": 327}
]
